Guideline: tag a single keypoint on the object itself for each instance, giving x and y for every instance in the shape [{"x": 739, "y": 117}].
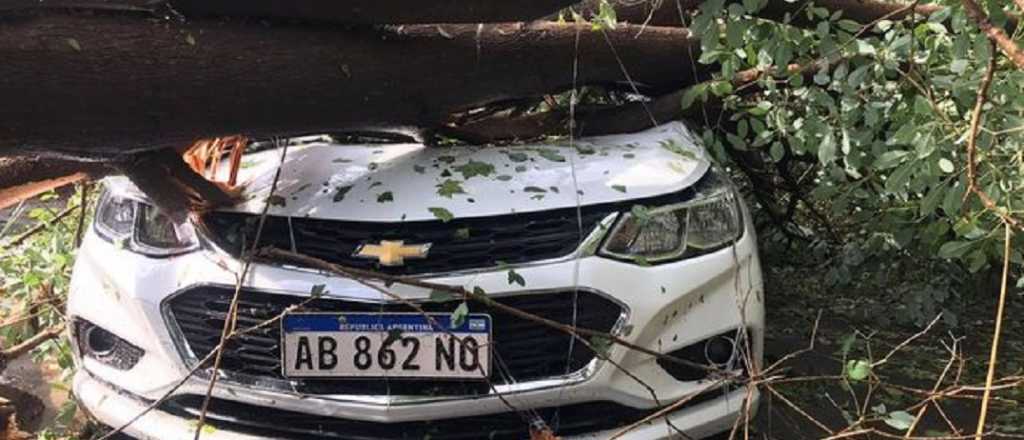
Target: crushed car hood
[{"x": 409, "y": 182}]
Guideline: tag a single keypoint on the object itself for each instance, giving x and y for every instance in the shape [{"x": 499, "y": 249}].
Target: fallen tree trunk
[
  {"x": 348, "y": 12},
  {"x": 114, "y": 83}
]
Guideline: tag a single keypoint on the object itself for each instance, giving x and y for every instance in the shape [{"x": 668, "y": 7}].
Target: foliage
[
  {"x": 34, "y": 279},
  {"x": 875, "y": 141}
]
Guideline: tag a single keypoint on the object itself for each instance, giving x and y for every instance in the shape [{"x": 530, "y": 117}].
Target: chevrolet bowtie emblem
[{"x": 392, "y": 253}]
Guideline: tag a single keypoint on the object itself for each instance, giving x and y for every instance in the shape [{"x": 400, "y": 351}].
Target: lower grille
[
  {"x": 523, "y": 350},
  {"x": 275, "y": 423}
]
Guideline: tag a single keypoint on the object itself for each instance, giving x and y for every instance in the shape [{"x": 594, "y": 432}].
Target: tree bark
[
  {"x": 115, "y": 83},
  {"x": 335, "y": 11},
  {"x": 25, "y": 177}
]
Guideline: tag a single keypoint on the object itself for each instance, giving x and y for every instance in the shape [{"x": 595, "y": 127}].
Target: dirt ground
[{"x": 36, "y": 379}]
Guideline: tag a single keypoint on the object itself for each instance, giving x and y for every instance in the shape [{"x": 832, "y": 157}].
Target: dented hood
[
  {"x": 396, "y": 182},
  {"x": 408, "y": 182}
]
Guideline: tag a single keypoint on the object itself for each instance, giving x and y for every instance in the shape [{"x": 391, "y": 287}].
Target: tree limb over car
[{"x": 110, "y": 80}]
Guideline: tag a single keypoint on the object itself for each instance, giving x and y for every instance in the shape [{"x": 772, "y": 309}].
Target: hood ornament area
[{"x": 392, "y": 253}]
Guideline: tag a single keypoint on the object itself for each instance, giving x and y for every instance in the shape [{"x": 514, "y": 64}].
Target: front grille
[
  {"x": 276, "y": 423},
  {"x": 459, "y": 244},
  {"x": 523, "y": 350}
]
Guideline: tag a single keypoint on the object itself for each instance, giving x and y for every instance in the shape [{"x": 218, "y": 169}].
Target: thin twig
[
  {"x": 38, "y": 227},
  {"x": 231, "y": 319},
  {"x": 972, "y": 148},
  {"x": 995, "y": 336},
  {"x": 83, "y": 204},
  {"x": 907, "y": 341},
  {"x": 938, "y": 383}
]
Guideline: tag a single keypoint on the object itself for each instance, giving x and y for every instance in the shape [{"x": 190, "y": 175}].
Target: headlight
[
  {"x": 141, "y": 227},
  {"x": 709, "y": 221}
]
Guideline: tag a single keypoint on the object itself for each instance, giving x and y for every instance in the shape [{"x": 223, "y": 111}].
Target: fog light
[
  {"x": 96, "y": 343},
  {"x": 99, "y": 342},
  {"x": 717, "y": 353},
  {"x": 720, "y": 351}
]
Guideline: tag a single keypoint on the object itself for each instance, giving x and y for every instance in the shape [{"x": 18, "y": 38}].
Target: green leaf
[
  {"x": 441, "y": 214},
  {"x": 459, "y": 315},
  {"x": 946, "y": 165},
  {"x": 619, "y": 188},
  {"x": 318, "y": 290},
  {"x": 518, "y": 156},
  {"x": 515, "y": 277},
  {"x": 440, "y": 296},
  {"x": 951, "y": 204},
  {"x": 931, "y": 201},
  {"x": 777, "y": 151},
  {"x": 602, "y": 345},
  {"x": 605, "y": 18},
  {"x": 475, "y": 168},
  {"x": 551, "y": 155},
  {"x": 276, "y": 200},
  {"x": 857, "y": 77},
  {"x": 734, "y": 35},
  {"x": 900, "y": 420},
  {"x": 849, "y": 25},
  {"x": 534, "y": 189},
  {"x": 847, "y": 344},
  {"x": 827, "y": 149},
  {"x": 461, "y": 233},
  {"x": 890, "y": 159},
  {"x": 339, "y": 193},
  {"x": 760, "y": 109},
  {"x": 394, "y": 334},
  {"x": 721, "y": 88},
  {"x": 955, "y": 249},
  {"x": 691, "y": 94},
  {"x": 897, "y": 181},
  {"x": 385, "y": 196},
  {"x": 641, "y": 213},
  {"x": 449, "y": 188},
  {"x": 858, "y": 370}
]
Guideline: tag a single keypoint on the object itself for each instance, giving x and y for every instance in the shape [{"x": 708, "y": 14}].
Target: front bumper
[
  {"x": 668, "y": 307},
  {"x": 117, "y": 409}
]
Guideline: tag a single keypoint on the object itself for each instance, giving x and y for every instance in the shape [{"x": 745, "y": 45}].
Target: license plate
[{"x": 394, "y": 345}]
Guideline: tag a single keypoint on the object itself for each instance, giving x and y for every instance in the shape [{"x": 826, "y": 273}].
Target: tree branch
[
  {"x": 972, "y": 148},
  {"x": 997, "y": 35},
  {"x": 28, "y": 345},
  {"x": 127, "y": 84},
  {"x": 348, "y": 12}
]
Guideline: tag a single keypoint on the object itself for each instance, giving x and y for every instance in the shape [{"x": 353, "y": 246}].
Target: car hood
[{"x": 408, "y": 182}]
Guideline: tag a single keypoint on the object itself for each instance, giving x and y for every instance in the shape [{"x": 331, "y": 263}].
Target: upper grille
[
  {"x": 523, "y": 350},
  {"x": 459, "y": 244}
]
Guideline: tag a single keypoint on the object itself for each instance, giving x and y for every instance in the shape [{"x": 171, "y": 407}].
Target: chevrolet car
[{"x": 640, "y": 237}]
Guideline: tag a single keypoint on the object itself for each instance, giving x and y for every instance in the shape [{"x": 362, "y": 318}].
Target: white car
[{"x": 635, "y": 235}]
